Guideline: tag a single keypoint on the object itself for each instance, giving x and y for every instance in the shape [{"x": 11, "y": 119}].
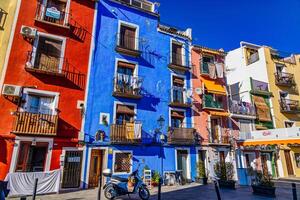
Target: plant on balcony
[
  {"x": 262, "y": 184},
  {"x": 225, "y": 173},
  {"x": 155, "y": 179},
  {"x": 201, "y": 173}
]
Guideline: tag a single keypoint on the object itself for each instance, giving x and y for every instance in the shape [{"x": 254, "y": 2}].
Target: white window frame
[
  {"x": 131, "y": 25},
  {"x": 188, "y": 160},
  {"x": 51, "y": 36},
  {"x": 180, "y": 110},
  {"x": 172, "y": 40},
  {"x": 42, "y": 93},
  {"x": 67, "y": 11},
  {"x": 124, "y": 103},
  {"x": 114, "y": 157},
  {"x": 185, "y": 85}
]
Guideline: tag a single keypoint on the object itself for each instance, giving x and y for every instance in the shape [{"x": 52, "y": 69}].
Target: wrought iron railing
[
  {"x": 283, "y": 78},
  {"x": 180, "y": 135},
  {"x": 210, "y": 102},
  {"x": 242, "y": 108},
  {"x": 35, "y": 124},
  {"x": 290, "y": 106},
  {"x": 220, "y": 136},
  {"x": 179, "y": 95},
  {"x": 128, "y": 85}
]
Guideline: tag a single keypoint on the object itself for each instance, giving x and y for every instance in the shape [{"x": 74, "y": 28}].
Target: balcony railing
[
  {"x": 183, "y": 136},
  {"x": 242, "y": 108},
  {"x": 178, "y": 62},
  {"x": 284, "y": 57},
  {"x": 221, "y": 137},
  {"x": 210, "y": 103},
  {"x": 52, "y": 16},
  {"x": 127, "y": 86},
  {"x": 129, "y": 45},
  {"x": 35, "y": 124},
  {"x": 285, "y": 79},
  {"x": 179, "y": 98},
  {"x": 259, "y": 87},
  {"x": 289, "y": 106},
  {"x": 143, "y": 5},
  {"x": 127, "y": 133}
]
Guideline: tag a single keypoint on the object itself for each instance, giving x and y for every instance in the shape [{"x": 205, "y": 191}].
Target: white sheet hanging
[
  {"x": 22, "y": 183},
  {"x": 220, "y": 70},
  {"x": 137, "y": 130}
]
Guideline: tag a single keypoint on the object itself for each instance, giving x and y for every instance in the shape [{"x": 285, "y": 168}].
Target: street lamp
[{"x": 161, "y": 123}]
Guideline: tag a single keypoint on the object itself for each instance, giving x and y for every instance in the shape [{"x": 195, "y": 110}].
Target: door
[
  {"x": 72, "y": 169},
  {"x": 95, "y": 168},
  {"x": 177, "y": 54},
  {"x": 182, "y": 162},
  {"x": 266, "y": 164},
  {"x": 288, "y": 161}
]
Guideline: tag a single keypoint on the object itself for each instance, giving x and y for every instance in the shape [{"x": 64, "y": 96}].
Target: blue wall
[{"x": 152, "y": 67}]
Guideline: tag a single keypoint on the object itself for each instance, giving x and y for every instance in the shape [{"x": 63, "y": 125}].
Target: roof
[
  {"x": 173, "y": 30},
  {"x": 210, "y": 50}
]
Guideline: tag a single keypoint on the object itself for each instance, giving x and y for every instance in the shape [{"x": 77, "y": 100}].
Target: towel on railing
[
  {"x": 130, "y": 131},
  {"x": 212, "y": 70},
  {"x": 137, "y": 130},
  {"x": 220, "y": 70}
]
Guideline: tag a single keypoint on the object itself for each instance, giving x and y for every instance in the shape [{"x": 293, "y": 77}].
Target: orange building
[
  {"x": 44, "y": 89},
  {"x": 210, "y": 111}
]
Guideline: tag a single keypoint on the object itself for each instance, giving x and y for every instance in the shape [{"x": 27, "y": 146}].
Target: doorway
[
  {"x": 266, "y": 164},
  {"x": 72, "y": 169},
  {"x": 288, "y": 161},
  {"x": 182, "y": 162},
  {"x": 95, "y": 167}
]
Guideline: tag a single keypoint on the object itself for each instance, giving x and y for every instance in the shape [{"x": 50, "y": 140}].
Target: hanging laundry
[
  {"x": 212, "y": 70},
  {"x": 220, "y": 70},
  {"x": 137, "y": 130}
]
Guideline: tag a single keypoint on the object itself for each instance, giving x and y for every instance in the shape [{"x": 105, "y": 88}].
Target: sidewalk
[{"x": 187, "y": 192}]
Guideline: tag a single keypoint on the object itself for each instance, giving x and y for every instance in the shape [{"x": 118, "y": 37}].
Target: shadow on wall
[
  {"x": 3, "y": 151},
  {"x": 149, "y": 101},
  {"x": 90, "y": 4},
  {"x": 67, "y": 130}
]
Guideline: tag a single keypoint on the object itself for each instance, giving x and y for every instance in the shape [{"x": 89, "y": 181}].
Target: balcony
[
  {"x": 127, "y": 86},
  {"x": 178, "y": 98},
  {"x": 242, "y": 109},
  {"x": 129, "y": 133},
  {"x": 145, "y": 6},
  {"x": 52, "y": 16},
  {"x": 210, "y": 103},
  {"x": 178, "y": 62},
  {"x": 260, "y": 88},
  {"x": 128, "y": 45},
  {"x": 285, "y": 79},
  {"x": 223, "y": 139},
  {"x": 182, "y": 136},
  {"x": 35, "y": 124},
  {"x": 289, "y": 106}
]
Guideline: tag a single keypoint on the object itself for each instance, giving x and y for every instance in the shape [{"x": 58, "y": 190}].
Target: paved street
[{"x": 192, "y": 191}]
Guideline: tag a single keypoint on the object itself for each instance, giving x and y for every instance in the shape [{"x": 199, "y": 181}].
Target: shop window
[
  {"x": 297, "y": 159},
  {"x": 122, "y": 162}
]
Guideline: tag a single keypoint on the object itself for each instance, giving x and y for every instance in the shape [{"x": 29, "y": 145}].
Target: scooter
[{"x": 118, "y": 186}]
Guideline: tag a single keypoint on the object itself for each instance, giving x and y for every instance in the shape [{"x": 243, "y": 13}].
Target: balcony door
[
  {"x": 127, "y": 37},
  {"x": 125, "y": 114},
  {"x": 40, "y": 104},
  {"x": 177, "y": 54},
  {"x": 288, "y": 160},
  {"x": 48, "y": 55},
  {"x": 177, "y": 119},
  {"x": 125, "y": 79},
  {"x": 95, "y": 167},
  {"x": 182, "y": 162},
  {"x": 215, "y": 130},
  {"x": 178, "y": 89}
]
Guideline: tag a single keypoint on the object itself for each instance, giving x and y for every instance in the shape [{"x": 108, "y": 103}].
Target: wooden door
[
  {"x": 72, "y": 169},
  {"x": 177, "y": 54},
  {"x": 264, "y": 164},
  {"x": 95, "y": 168},
  {"x": 288, "y": 161}
]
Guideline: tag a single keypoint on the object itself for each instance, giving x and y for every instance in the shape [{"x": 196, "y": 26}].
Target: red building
[{"x": 42, "y": 101}]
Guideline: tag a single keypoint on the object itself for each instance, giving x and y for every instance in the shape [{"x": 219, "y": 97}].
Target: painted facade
[
  {"x": 8, "y": 11},
  {"x": 121, "y": 122},
  {"x": 44, "y": 89},
  {"x": 210, "y": 111}
]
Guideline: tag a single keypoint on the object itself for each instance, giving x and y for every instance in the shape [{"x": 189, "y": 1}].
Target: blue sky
[{"x": 224, "y": 23}]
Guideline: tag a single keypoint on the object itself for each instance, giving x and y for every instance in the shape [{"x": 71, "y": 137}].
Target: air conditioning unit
[
  {"x": 11, "y": 90},
  {"x": 28, "y": 32}
]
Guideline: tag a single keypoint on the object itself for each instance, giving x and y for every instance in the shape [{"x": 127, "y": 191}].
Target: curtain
[{"x": 46, "y": 105}]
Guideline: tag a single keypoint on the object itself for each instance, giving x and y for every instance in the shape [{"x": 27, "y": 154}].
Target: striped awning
[
  {"x": 213, "y": 86},
  {"x": 270, "y": 142}
]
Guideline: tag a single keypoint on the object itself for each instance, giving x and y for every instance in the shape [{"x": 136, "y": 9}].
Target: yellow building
[{"x": 8, "y": 10}]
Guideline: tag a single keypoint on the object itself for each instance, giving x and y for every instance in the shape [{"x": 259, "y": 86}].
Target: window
[
  {"x": 245, "y": 126},
  {"x": 289, "y": 124},
  {"x": 252, "y": 56},
  {"x": 31, "y": 158},
  {"x": 122, "y": 162},
  {"x": 215, "y": 129},
  {"x": 297, "y": 159},
  {"x": 177, "y": 54},
  {"x": 128, "y": 37},
  {"x": 177, "y": 119},
  {"x": 125, "y": 113},
  {"x": 178, "y": 90},
  {"x": 54, "y": 11},
  {"x": 206, "y": 60}
]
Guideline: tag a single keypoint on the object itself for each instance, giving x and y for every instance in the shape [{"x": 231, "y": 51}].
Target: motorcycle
[{"x": 118, "y": 186}]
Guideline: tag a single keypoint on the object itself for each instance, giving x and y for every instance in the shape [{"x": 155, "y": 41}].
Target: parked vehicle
[{"x": 119, "y": 186}]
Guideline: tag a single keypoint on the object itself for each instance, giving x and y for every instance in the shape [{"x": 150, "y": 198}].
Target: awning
[
  {"x": 219, "y": 113},
  {"x": 177, "y": 114},
  {"x": 126, "y": 65},
  {"x": 125, "y": 109},
  {"x": 214, "y": 87},
  {"x": 270, "y": 142}
]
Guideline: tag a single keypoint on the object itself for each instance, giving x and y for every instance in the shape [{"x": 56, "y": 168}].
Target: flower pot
[
  {"x": 201, "y": 181},
  {"x": 261, "y": 190},
  {"x": 227, "y": 184}
]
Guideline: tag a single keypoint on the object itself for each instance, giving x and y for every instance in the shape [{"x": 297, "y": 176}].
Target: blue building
[{"x": 138, "y": 105}]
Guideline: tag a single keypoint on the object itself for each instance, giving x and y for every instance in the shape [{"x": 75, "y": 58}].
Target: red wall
[{"x": 76, "y": 51}]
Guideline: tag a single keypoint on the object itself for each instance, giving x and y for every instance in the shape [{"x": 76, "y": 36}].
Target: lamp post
[{"x": 161, "y": 122}]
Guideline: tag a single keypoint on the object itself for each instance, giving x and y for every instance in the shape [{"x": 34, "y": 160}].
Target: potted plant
[
  {"x": 225, "y": 173},
  {"x": 263, "y": 185},
  {"x": 155, "y": 179},
  {"x": 201, "y": 176}
]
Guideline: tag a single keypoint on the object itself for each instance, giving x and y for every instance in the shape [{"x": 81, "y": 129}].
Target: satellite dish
[{"x": 198, "y": 91}]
